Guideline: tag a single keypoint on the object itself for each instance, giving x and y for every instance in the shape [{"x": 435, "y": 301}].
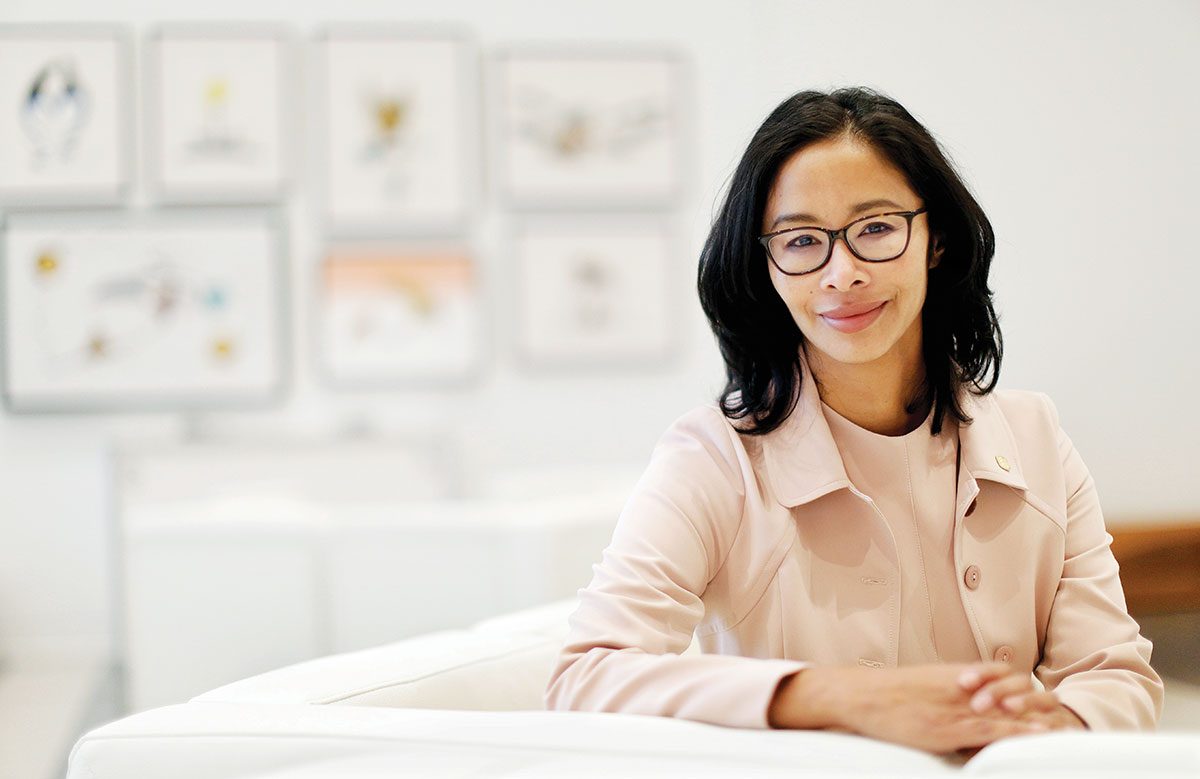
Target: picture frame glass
[
  {"x": 589, "y": 130},
  {"x": 396, "y": 135},
  {"x": 62, "y": 96},
  {"x": 395, "y": 317},
  {"x": 140, "y": 315},
  {"x": 218, "y": 115},
  {"x": 594, "y": 293}
]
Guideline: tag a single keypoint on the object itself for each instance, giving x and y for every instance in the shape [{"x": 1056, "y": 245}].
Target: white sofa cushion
[{"x": 224, "y": 740}]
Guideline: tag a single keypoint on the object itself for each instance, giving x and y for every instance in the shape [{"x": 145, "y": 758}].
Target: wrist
[{"x": 803, "y": 701}]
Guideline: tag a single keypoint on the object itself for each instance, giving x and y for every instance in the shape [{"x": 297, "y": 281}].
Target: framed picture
[
  {"x": 401, "y": 130},
  {"x": 64, "y": 108},
  {"x": 588, "y": 128},
  {"x": 396, "y": 317},
  {"x": 140, "y": 313},
  {"x": 594, "y": 292},
  {"x": 217, "y": 113}
]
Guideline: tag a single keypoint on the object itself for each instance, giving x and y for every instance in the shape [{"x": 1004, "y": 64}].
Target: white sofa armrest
[
  {"x": 499, "y": 664},
  {"x": 452, "y": 669}
]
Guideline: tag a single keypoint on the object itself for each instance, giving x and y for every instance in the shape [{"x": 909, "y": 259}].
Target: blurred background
[{"x": 328, "y": 325}]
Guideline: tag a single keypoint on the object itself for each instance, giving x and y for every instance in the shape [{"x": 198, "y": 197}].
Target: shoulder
[
  {"x": 704, "y": 424},
  {"x": 698, "y": 474},
  {"x": 702, "y": 446},
  {"x": 704, "y": 417},
  {"x": 1043, "y": 448},
  {"x": 707, "y": 423},
  {"x": 1030, "y": 414}
]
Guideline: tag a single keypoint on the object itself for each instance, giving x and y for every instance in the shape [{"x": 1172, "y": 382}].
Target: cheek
[
  {"x": 794, "y": 293},
  {"x": 918, "y": 286}
]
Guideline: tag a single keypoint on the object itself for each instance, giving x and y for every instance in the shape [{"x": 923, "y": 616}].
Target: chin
[{"x": 846, "y": 350}]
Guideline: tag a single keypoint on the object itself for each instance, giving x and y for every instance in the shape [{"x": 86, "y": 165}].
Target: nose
[{"x": 843, "y": 270}]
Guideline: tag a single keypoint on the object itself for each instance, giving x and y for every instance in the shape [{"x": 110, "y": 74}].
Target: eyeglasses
[{"x": 879, "y": 238}]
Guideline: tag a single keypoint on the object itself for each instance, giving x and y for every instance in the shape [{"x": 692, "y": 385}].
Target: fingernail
[
  {"x": 1013, "y": 703},
  {"x": 981, "y": 702},
  {"x": 968, "y": 679},
  {"x": 1036, "y": 726}
]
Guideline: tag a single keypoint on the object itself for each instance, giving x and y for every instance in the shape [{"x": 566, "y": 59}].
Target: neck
[{"x": 872, "y": 395}]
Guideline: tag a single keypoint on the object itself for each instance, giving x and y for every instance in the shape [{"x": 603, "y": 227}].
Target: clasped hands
[
  {"x": 994, "y": 686},
  {"x": 941, "y": 708}
]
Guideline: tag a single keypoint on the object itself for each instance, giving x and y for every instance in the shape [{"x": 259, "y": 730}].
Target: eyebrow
[{"x": 858, "y": 209}]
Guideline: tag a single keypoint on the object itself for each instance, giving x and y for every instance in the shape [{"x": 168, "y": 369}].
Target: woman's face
[{"x": 829, "y": 184}]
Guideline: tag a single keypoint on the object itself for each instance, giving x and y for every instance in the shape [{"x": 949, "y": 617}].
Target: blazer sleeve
[
  {"x": 1094, "y": 657},
  {"x": 624, "y": 650}
]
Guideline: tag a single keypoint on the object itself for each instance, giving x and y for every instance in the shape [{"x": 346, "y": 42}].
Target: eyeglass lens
[{"x": 878, "y": 238}]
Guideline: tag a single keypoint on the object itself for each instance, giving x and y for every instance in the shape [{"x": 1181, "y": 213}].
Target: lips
[
  {"x": 853, "y": 322},
  {"x": 853, "y": 309}
]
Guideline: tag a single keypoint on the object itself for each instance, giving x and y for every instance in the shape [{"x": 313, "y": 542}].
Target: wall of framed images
[
  {"x": 1012, "y": 120},
  {"x": 399, "y": 136}
]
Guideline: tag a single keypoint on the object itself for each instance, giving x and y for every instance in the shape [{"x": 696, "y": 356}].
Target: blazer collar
[{"x": 803, "y": 462}]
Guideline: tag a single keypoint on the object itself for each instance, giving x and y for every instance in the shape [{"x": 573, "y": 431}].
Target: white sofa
[{"x": 469, "y": 703}]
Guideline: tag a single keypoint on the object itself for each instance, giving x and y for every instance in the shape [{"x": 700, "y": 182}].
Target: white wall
[{"x": 1074, "y": 122}]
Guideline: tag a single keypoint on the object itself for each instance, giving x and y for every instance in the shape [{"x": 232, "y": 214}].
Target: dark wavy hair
[{"x": 758, "y": 338}]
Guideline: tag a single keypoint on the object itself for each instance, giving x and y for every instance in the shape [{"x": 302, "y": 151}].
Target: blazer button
[
  {"x": 970, "y": 509},
  {"x": 1004, "y": 654},
  {"x": 971, "y": 577}
]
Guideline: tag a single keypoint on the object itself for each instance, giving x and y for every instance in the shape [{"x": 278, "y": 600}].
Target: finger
[
  {"x": 990, "y": 694},
  {"x": 968, "y": 752},
  {"x": 1058, "y": 718},
  {"x": 980, "y": 731},
  {"x": 1027, "y": 702},
  {"x": 1047, "y": 720},
  {"x": 980, "y": 673}
]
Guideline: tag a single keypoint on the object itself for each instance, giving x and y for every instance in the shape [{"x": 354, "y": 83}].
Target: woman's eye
[
  {"x": 800, "y": 242},
  {"x": 869, "y": 229}
]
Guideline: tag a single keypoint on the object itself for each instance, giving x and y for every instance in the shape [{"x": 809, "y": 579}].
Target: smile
[{"x": 852, "y": 324}]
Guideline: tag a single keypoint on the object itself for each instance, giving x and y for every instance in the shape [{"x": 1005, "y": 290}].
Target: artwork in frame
[
  {"x": 217, "y": 101},
  {"x": 586, "y": 128},
  {"x": 594, "y": 292},
  {"x": 141, "y": 314},
  {"x": 399, "y": 317},
  {"x": 400, "y": 130},
  {"x": 64, "y": 108}
]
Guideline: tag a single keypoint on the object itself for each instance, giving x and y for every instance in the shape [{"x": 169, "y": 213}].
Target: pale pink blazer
[{"x": 763, "y": 549}]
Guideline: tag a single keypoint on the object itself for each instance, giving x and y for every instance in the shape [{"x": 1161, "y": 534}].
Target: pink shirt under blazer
[{"x": 827, "y": 544}]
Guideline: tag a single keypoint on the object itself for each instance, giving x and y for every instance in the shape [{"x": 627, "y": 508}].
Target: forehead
[{"x": 828, "y": 178}]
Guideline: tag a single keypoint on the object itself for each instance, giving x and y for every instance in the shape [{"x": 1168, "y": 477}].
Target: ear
[{"x": 935, "y": 252}]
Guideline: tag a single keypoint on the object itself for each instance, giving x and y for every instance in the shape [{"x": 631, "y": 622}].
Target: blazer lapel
[{"x": 803, "y": 462}]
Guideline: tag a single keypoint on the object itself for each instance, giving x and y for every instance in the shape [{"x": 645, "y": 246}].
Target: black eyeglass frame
[{"x": 765, "y": 240}]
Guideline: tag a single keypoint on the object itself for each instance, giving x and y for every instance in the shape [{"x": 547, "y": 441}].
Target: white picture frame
[
  {"x": 65, "y": 134},
  {"x": 142, "y": 312},
  {"x": 400, "y": 316},
  {"x": 589, "y": 127},
  {"x": 218, "y": 113},
  {"x": 399, "y": 153},
  {"x": 594, "y": 292}
]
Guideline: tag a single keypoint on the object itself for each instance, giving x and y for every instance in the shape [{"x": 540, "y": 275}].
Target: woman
[{"x": 861, "y": 534}]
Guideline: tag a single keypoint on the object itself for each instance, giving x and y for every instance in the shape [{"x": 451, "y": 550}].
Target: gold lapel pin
[{"x": 1002, "y": 462}]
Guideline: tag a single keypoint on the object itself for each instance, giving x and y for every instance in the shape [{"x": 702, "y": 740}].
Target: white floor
[{"x": 44, "y": 708}]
